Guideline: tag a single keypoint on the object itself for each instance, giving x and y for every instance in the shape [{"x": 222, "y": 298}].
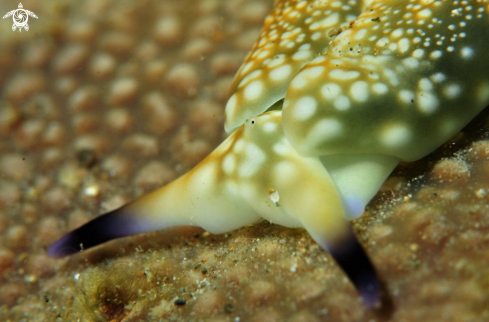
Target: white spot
[
  {"x": 314, "y": 72},
  {"x": 406, "y": 96},
  {"x": 452, "y": 91},
  {"x": 284, "y": 42},
  {"x": 239, "y": 146},
  {"x": 276, "y": 61},
  {"x": 330, "y": 90},
  {"x": 342, "y": 103},
  {"x": 397, "y": 33},
  {"x": 254, "y": 158},
  {"x": 380, "y": 88},
  {"x": 264, "y": 54},
  {"x": 392, "y": 76},
  {"x": 467, "y": 52},
  {"x": 341, "y": 74},
  {"x": 427, "y": 102},
  {"x": 269, "y": 127},
  {"x": 318, "y": 60},
  {"x": 229, "y": 164},
  {"x": 251, "y": 76},
  {"x": 305, "y": 107},
  {"x": 410, "y": 62},
  {"x": 425, "y": 13},
  {"x": 315, "y": 36},
  {"x": 360, "y": 34},
  {"x": 435, "y": 54},
  {"x": 301, "y": 55},
  {"x": 403, "y": 45},
  {"x": 359, "y": 91},
  {"x": 425, "y": 84},
  {"x": 246, "y": 67},
  {"x": 324, "y": 130},
  {"x": 298, "y": 82},
  {"x": 281, "y": 72},
  {"x": 280, "y": 148},
  {"x": 395, "y": 136},
  {"x": 438, "y": 77},
  {"x": 418, "y": 53},
  {"x": 330, "y": 21},
  {"x": 231, "y": 106},
  {"x": 253, "y": 90}
]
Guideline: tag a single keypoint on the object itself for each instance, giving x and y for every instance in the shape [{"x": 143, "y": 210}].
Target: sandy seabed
[{"x": 104, "y": 101}]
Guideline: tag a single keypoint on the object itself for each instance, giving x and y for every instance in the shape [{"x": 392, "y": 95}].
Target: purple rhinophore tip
[
  {"x": 114, "y": 224},
  {"x": 355, "y": 263}
]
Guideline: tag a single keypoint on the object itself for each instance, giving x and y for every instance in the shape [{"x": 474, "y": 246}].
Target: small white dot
[{"x": 467, "y": 52}]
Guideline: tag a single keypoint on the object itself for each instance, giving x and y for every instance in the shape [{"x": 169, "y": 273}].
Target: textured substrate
[{"x": 103, "y": 101}]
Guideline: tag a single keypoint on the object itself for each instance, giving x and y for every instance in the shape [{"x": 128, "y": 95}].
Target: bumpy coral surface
[{"x": 103, "y": 101}]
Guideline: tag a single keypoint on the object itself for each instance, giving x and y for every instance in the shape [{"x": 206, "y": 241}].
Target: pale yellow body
[{"x": 233, "y": 187}]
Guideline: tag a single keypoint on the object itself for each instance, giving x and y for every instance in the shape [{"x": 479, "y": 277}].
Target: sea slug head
[
  {"x": 377, "y": 84},
  {"x": 367, "y": 84}
]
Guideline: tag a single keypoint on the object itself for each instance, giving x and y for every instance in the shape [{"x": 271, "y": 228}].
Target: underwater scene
[{"x": 333, "y": 158}]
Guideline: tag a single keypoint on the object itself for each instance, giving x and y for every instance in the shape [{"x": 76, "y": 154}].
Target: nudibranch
[{"x": 332, "y": 96}]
